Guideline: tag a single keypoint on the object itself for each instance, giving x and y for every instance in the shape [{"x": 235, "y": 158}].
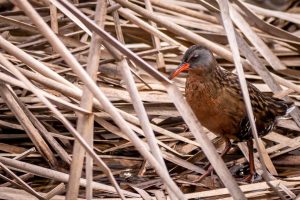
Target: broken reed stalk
[
  {"x": 264, "y": 50},
  {"x": 34, "y": 63},
  {"x": 85, "y": 123},
  {"x": 19, "y": 181},
  {"x": 136, "y": 100},
  {"x": 12, "y": 81},
  {"x": 268, "y": 28},
  {"x": 31, "y": 131},
  {"x": 148, "y": 28},
  {"x": 59, "y": 189},
  {"x": 160, "y": 62},
  {"x": 58, "y": 176},
  {"x": 43, "y": 131}
]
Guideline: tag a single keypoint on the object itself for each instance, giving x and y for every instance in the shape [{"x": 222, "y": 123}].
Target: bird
[{"x": 215, "y": 96}]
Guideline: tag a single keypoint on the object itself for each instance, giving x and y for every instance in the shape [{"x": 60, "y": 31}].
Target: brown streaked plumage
[{"x": 216, "y": 98}]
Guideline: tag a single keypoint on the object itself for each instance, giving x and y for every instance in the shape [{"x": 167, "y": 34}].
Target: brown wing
[{"x": 265, "y": 108}]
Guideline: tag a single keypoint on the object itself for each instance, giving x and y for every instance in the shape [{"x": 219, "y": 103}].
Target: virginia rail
[{"x": 215, "y": 97}]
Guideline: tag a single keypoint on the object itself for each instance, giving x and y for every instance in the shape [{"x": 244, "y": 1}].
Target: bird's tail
[
  {"x": 290, "y": 109},
  {"x": 282, "y": 108}
]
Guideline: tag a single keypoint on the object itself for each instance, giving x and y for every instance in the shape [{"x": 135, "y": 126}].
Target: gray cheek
[
  {"x": 206, "y": 59},
  {"x": 202, "y": 63}
]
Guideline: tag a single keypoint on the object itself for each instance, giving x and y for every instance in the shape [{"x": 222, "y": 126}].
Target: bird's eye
[{"x": 195, "y": 56}]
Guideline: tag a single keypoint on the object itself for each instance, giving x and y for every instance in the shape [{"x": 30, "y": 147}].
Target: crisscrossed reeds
[{"x": 86, "y": 83}]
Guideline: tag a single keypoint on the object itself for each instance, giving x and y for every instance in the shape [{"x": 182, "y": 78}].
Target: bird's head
[{"x": 197, "y": 59}]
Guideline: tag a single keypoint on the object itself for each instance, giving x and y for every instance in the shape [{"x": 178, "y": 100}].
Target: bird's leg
[
  {"x": 210, "y": 168},
  {"x": 251, "y": 162}
]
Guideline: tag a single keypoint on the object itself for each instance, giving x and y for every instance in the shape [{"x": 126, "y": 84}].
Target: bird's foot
[
  {"x": 248, "y": 179},
  {"x": 240, "y": 172},
  {"x": 208, "y": 172},
  {"x": 251, "y": 178}
]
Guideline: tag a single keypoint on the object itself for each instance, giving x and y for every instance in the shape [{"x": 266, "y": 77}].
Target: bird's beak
[{"x": 180, "y": 68}]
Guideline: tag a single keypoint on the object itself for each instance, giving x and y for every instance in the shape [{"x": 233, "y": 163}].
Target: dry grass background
[{"x": 120, "y": 106}]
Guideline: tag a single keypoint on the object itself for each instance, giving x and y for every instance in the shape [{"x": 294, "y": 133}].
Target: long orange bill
[{"x": 181, "y": 68}]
